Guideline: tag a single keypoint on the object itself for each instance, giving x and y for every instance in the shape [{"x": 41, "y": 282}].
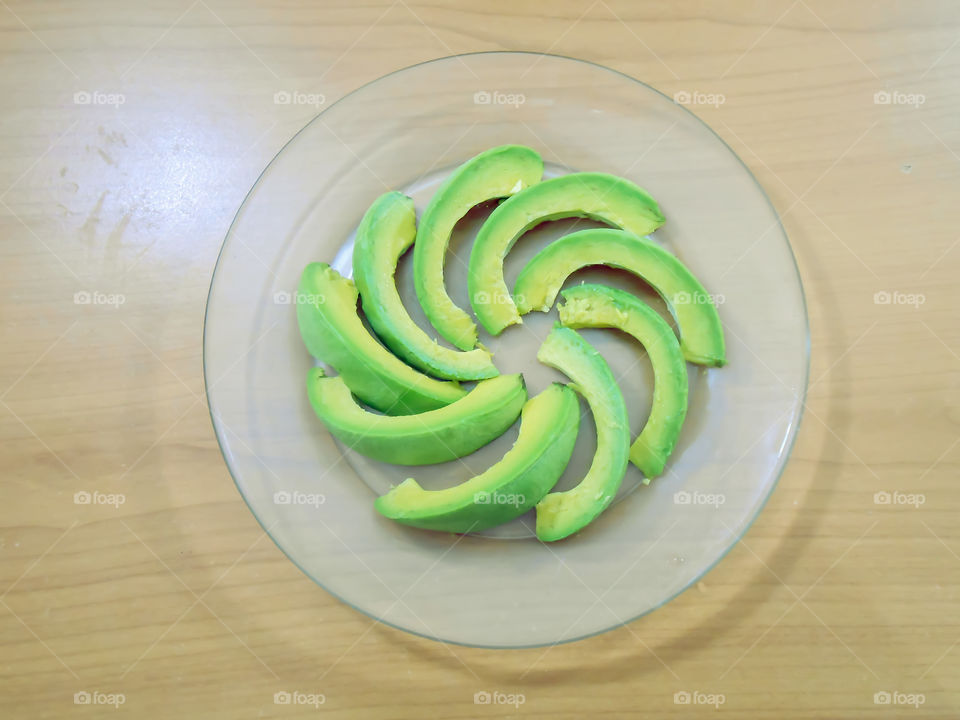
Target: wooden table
[{"x": 129, "y": 134}]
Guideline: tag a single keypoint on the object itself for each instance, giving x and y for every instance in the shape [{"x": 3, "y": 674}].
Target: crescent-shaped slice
[
  {"x": 701, "y": 335},
  {"x": 561, "y": 514},
  {"x": 602, "y": 306},
  {"x": 388, "y": 228},
  {"x": 495, "y": 173},
  {"x": 446, "y": 433},
  {"x": 508, "y": 488},
  {"x": 333, "y": 333},
  {"x": 593, "y": 195}
]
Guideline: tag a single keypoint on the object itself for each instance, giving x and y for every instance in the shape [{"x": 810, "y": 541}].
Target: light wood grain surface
[{"x": 175, "y": 599}]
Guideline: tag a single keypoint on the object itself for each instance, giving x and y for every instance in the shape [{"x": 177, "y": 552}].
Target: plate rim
[{"x": 793, "y": 431}]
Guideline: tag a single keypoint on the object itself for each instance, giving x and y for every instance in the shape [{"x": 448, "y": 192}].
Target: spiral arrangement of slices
[{"x": 423, "y": 413}]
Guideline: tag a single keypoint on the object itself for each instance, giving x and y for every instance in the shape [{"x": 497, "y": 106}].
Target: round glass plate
[{"x": 407, "y": 131}]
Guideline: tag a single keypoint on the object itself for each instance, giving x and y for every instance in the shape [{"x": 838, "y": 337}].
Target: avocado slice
[
  {"x": 701, "y": 335},
  {"x": 507, "y": 489},
  {"x": 593, "y": 195},
  {"x": 602, "y": 306},
  {"x": 436, "y": 436},
  {"x": 560, "y": 514},
  {"x": 495, "y": 173},
  {"x": 333, "y": 333},
  {"x": 388, "y": 228}
]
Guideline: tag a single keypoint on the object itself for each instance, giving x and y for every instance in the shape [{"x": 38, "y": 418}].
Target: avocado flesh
[
  {"x": 334, "y": 334},
  {"x": 561, "y": 514},
  {"x": 495, "y": 173},
  {"x": 388, "y": 228},
  {"x": 597, "y": 196},
  {"x": 701, "y": 335},
  {"x": 602, "y": 306},
  {"x": 436, "y": 436},
  {"x": 508, "y": 488}
]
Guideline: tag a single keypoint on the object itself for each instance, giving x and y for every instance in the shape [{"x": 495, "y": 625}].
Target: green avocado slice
[
  {"x": 333, "y": 333},
  {"x": 495, "y": 173},
  {"x": 561, "y": 514},
  {"x": 593, "y": 195},
  {"x": 388, "y": 228},
  {"x": 603, "y": 306},
  {"x": 507, "y": 489},
  {"x": 436, "y": 436},
  {"x": 701, "y": 335}
]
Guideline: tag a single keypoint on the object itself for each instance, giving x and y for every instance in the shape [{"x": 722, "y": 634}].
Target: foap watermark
[
  {"x": 85, "y": 697},
  {"x": 298, "y": 298},
  {"x": 299, "y": 98},
  {"x": 895, "y": 297},
  {"x": 295, "y": 497},
  {"x": 684, "y": 697},
  {"x": 83, "y": 497},
  {"x": 498, "y": 498},
  {"x": 85, "y": 297},
  {"x": 686, "y": 497},
  {"x": 496, "y": 697},
  {"x": 299, "y": 698},
  {"x": 495, "y": 97},
  {"x": 698, "y": 298},
  {"x": 899, "y": 698},
  {"x": 895, "y": 97},
  {"x": 695, "y": 97},
  {"x": 95, "y": 97},
  {"x": 495, "y": 298},
  {"x": 896, "y": 497}
]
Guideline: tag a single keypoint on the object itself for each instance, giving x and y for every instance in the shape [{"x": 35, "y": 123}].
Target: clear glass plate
[{"x": 407, "y": 131}]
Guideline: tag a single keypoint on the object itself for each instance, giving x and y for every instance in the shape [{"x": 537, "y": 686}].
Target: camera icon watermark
[
  {"x": 695, "y": 697},
  {"x": 483, "y": 297},
  {"x": 96, "y": 697},
  {"x": 496, "y": 697},
  {"x": 298, "y": 298},
  {"x": 498, "y": 498},
  {"x": 283, "y": 697},
  {"x": 299, "y": 98},
  {"x": 883, "y": 497},
  {"x": 686, "y": 497},
  {"x": 895, "y": 97},
  {"x": 695, "y": 97},
  {"x": 899, "y": 698},
  {"x": 295, "y": 497},
  {"x": 83, "y": 497},
  {"x": 95, "y": 97},
  {"x": 698, "y": 298},
  {"x": 895, "y": 297},
  {"x": 85, "y": 297},
  {"x": 495, "y": 97}
]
